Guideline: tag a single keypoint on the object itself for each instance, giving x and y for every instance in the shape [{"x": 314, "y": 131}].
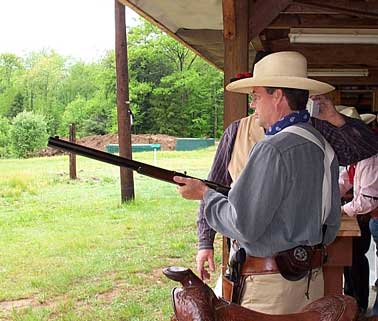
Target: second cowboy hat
[
  {"x": 285, "y": 69},
  {"x": 368, "y": 118},
  {"x": 353, "y": 113}
]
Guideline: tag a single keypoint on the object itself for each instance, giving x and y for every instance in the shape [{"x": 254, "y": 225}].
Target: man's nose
[{"x": 252, "y": 104}]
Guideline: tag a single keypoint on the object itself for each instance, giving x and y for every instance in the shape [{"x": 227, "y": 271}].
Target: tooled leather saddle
[{"x": 196, "y": 301}]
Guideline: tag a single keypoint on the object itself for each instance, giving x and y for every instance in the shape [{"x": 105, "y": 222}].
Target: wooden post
[
  {"x": 374, "y": 106},
  {"x": 123, "y": 111},
  {"x": 235, "y": 35},
  {"x": 72, "y": 155}
]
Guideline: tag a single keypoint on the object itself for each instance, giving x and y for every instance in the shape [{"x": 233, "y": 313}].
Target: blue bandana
[{"x": 301, "y": 116}]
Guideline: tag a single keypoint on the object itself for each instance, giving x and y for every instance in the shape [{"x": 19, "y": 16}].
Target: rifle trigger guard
[{"x": 139, "y": 169}]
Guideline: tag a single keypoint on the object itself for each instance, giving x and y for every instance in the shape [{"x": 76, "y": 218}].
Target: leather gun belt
[{"x": 267, "y": 265}]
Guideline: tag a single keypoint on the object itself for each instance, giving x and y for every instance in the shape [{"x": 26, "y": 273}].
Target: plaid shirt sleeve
[
  {"x": 352, "y": 142},
  {"x": 219, "y": 174}
]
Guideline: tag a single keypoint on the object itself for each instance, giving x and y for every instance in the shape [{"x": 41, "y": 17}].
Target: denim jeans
[{"x": 373, "y": 225}]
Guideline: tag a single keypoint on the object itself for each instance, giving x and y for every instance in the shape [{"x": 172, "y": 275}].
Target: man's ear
[{"x": 278, "y": 95}]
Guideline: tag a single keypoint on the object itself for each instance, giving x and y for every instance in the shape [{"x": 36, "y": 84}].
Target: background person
[
  {"x": 349, "y": 137},
  {"x": 362, "y": 177}
]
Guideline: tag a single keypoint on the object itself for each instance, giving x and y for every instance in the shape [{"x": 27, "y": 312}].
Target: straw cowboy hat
[
  {"x": 285, "y": 69},
  {"x": 368, "y": 118},
  {"x": 353, "y": 113},
  {"x": 348, "y": 111}
]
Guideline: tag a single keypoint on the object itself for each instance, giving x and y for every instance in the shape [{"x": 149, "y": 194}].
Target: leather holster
[{"x": 227, "y": 289}]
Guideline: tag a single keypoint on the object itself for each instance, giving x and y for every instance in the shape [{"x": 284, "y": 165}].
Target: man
[
  {"x": 277, "y": 202},
  {"x": 350, "y": 138},
  {"x": 363, "y": 178}
]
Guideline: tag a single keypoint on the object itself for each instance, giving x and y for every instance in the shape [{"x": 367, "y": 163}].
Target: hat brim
[
  {"x": 315, "y": 87},
  {"x": 367, "y": 118}
]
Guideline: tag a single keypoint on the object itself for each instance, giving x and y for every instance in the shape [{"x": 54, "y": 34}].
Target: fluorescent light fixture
[
  {"x": 333, "y": 36},
  {"x": 338, "y": 72}
]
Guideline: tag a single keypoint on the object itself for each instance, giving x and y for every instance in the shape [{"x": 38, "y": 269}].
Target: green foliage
[
  {"x": 17, "y": 106},
  {"x": 10, "y": 65},
  {"x": 171, "y": 90},
  {"x": 5, "y": 127},
  {"x": 74, "y": 113},
  {"x": 27, "y": 134},
  {"x": 98, "y": 116}
]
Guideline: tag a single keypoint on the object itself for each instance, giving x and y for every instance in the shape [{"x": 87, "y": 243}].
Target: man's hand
[
  {"x": 327, "y": 111},
  {"x": 191, "y": 189},
  {"x": 204, "y": 256}
]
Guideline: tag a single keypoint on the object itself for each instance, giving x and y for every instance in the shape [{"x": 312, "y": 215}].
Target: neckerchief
[{"x": 301, "y": 116}]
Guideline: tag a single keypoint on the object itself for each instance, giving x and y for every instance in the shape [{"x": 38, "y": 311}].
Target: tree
[
  {"x": 5, "y": 127},
  {"x": 172, "y": 91},
  {"x": 79, "y": 82},
  {"x": 28, "y": 134},
  {"x": 74, "y": 113},
  {"x": 10, "y": 64},
  {"x": 45, "y": 72},
  {"x": 17, "y": 106}
]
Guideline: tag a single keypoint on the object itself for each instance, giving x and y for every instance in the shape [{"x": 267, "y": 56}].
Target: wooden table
[{"x": 340, "y": 255}]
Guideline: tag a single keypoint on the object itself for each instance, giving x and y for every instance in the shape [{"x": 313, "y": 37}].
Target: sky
[{"x": 76, "y": 28}]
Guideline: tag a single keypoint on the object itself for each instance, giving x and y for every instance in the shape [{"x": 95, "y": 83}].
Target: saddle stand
[{"x": 195, "y": 301}]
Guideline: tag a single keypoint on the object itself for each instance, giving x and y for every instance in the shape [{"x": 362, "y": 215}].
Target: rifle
[{"x": 141, "y": 168}]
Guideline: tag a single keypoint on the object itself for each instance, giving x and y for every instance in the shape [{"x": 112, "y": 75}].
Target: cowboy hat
[
  {"x": 353, "y": 113},
  {"x": 339, "y": 108},
  {"x": 349, "y": 112},
  {"x": 285, "y": 69},
  {"x": 368, "y": 118}
]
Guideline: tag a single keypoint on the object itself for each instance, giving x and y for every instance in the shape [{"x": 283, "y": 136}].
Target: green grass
[{"x": 71, "y": 251}]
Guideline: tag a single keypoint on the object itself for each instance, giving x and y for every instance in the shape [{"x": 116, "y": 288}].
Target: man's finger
[
  {"x": 179, "y": 179},
  {"x": 211, "y": 264}
]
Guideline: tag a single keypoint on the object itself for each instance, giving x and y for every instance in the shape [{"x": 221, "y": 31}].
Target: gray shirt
[{"x": 276, "y": 203}]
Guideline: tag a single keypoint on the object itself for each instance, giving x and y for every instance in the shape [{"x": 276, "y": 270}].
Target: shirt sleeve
[
  {"x": 219, "y": 174},
  {"x": 364, "y": 201},
  {"x": 344, "y": 183},
  {"x": 352, "y": 142},
  {"x": 238, "y": 216},
  {"x": 333, "y": 220}
]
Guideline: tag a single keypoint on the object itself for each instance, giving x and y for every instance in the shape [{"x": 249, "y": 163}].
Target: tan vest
[{"x": 249, "y": 133}]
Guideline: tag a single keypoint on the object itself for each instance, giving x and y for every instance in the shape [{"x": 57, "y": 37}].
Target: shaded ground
[{"x": 100, "y": 141}]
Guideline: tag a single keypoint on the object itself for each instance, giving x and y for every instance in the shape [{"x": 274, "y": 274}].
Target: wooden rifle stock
[{"x": 142, "y": 168}]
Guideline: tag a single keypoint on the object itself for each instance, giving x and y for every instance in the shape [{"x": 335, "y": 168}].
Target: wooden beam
[
  {"x": 375, "y": 100},
  {"x": 356, "y": 8},
  {"x": 303, "y": 9},
  {"x": 72, "y": 137},
  {"x": 338, "y": 55},
  {"x": 229, "y": 20},
  {"x": 166, "y": 30},
  {"x": 123, "y": 112},
  {"x": 257, "y": 44},
  {"x": 349, "y": 81},
  {"x": 286, "y": 21},
  {"x": 235, "y": 60},
  {"x": 262, "y": 13}
]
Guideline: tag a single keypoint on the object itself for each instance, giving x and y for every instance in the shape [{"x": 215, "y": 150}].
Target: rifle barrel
[{"x": 142, "y": 168}]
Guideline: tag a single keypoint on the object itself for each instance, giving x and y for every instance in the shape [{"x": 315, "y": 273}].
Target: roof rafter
[
  {"x": 356, "y": 8},
  {"x": 262, "y": 13}
]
